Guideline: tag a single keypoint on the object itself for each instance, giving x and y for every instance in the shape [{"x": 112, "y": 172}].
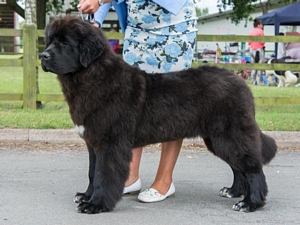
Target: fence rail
[{"x": 29, "y": 61}]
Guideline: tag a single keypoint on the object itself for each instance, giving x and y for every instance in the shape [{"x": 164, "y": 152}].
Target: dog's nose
[{"x": 45, "y": 55}]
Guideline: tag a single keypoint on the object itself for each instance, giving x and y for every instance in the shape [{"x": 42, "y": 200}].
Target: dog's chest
[{"x": 80, "y": 130}]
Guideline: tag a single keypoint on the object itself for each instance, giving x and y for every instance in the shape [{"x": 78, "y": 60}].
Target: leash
[{"x": 89, "y": 18}]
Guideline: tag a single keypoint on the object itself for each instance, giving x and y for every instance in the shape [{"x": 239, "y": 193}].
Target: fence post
[{"x": 29, "y": 65}]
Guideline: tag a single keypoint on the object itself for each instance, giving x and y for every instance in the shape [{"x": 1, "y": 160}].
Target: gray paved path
[{"x": 37, "y": 188}]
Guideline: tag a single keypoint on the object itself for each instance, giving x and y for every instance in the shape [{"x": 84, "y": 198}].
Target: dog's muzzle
[{"x": 45, "y": 56}]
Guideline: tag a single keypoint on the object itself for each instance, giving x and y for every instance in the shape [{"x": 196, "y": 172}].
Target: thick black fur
[{"x": 122, "y": 107}]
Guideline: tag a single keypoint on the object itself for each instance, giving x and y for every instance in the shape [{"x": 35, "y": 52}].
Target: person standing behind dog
[
  {"x": 257, "y": 51},
  {"x": 281, "y": 49},
  {"x": 160, "y": 37}
]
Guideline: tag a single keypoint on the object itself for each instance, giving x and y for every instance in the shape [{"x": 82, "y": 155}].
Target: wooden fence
[{"x": 29, "y": 61}]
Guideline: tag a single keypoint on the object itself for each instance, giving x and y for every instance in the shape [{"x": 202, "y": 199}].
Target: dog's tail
[{"x": 269, "y": 148}]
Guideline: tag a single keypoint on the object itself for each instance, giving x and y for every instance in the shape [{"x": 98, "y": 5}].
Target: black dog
[{"x": 116, "y": 107}]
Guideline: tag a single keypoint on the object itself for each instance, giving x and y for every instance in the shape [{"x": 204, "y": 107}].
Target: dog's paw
[
  {"x": 229, "y": 193},
  {"x": 226, "y": 192},
  {"x": 90, "y": 208},
  {"x": 241, "y": 207},
  {"x": 81, "y": 197}
]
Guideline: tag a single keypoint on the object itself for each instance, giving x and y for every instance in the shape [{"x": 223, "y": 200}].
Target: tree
[
  {"x": 54, "y": 6},
  {"x": 201, "y": 12},
  {"x": 242, "y": 9},
  {"x": 30, "y": 12}
]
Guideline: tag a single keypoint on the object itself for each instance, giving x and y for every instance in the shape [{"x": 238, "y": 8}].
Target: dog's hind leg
[
  {"x": 256, "y": 186},
  {"x": 208, "y": 143},
  {"x": 256, "y": 193},
  {"x": 80, "y": 197},
  {"x": 238, "y": 187},
  {"x": 239, "y": 152}
]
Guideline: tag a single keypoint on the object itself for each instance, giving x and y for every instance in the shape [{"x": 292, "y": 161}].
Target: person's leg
[
  {"x": 134, "y": 166},
  {"x": 253, "y": 77},
  {"x": 253, "y": 72},
  {"x": 258, "y": 77},
  {"x": 169, "y": 154},
  {"x": 261, "y": 60}
]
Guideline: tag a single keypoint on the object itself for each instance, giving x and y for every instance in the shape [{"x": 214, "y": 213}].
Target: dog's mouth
[
  {"x": 47, "y": 69},
  {"x": 44, "y": 67}
]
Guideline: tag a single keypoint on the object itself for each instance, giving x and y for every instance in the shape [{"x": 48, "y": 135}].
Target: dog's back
[{"x": 205, "y": 94}]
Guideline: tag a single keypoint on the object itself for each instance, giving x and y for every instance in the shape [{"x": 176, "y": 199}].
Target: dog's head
[{"x": 70, "y": 45}]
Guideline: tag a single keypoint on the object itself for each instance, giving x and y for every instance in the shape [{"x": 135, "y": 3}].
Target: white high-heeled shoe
[
  {"x": 133, "y": 188},
  {"x": 152, "y": 195}
]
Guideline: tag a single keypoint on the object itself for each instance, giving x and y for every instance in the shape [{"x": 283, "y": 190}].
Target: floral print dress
[{"x": 158, "y": 41}]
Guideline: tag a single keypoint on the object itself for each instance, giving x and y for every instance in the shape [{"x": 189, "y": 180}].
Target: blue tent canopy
[{"x": 288, "y": 15}]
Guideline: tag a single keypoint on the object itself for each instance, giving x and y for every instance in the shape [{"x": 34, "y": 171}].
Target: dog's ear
[{"x": 91, "y": 47}]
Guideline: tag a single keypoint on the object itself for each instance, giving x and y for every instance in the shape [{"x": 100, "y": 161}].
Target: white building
[{"x": 220, "y": 24}]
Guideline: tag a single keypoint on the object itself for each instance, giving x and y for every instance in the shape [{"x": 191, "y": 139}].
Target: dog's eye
[{"x": 65, "y": 43}]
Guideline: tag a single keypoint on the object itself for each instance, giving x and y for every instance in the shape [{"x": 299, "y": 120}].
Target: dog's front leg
[
  {"x": 95, "y": 203},
  {"x": 111, "y": 172},
  {"x": 80, "y": 197}
]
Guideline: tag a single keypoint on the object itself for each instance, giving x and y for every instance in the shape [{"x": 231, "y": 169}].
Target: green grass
[
  {"x": 265, "y": 91},
  {"x": 55, "y": 114},
  {"x": 11, "y": 79},
  {"x": 278, "y": 117},
  {"x": 52, "y": 115}
]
